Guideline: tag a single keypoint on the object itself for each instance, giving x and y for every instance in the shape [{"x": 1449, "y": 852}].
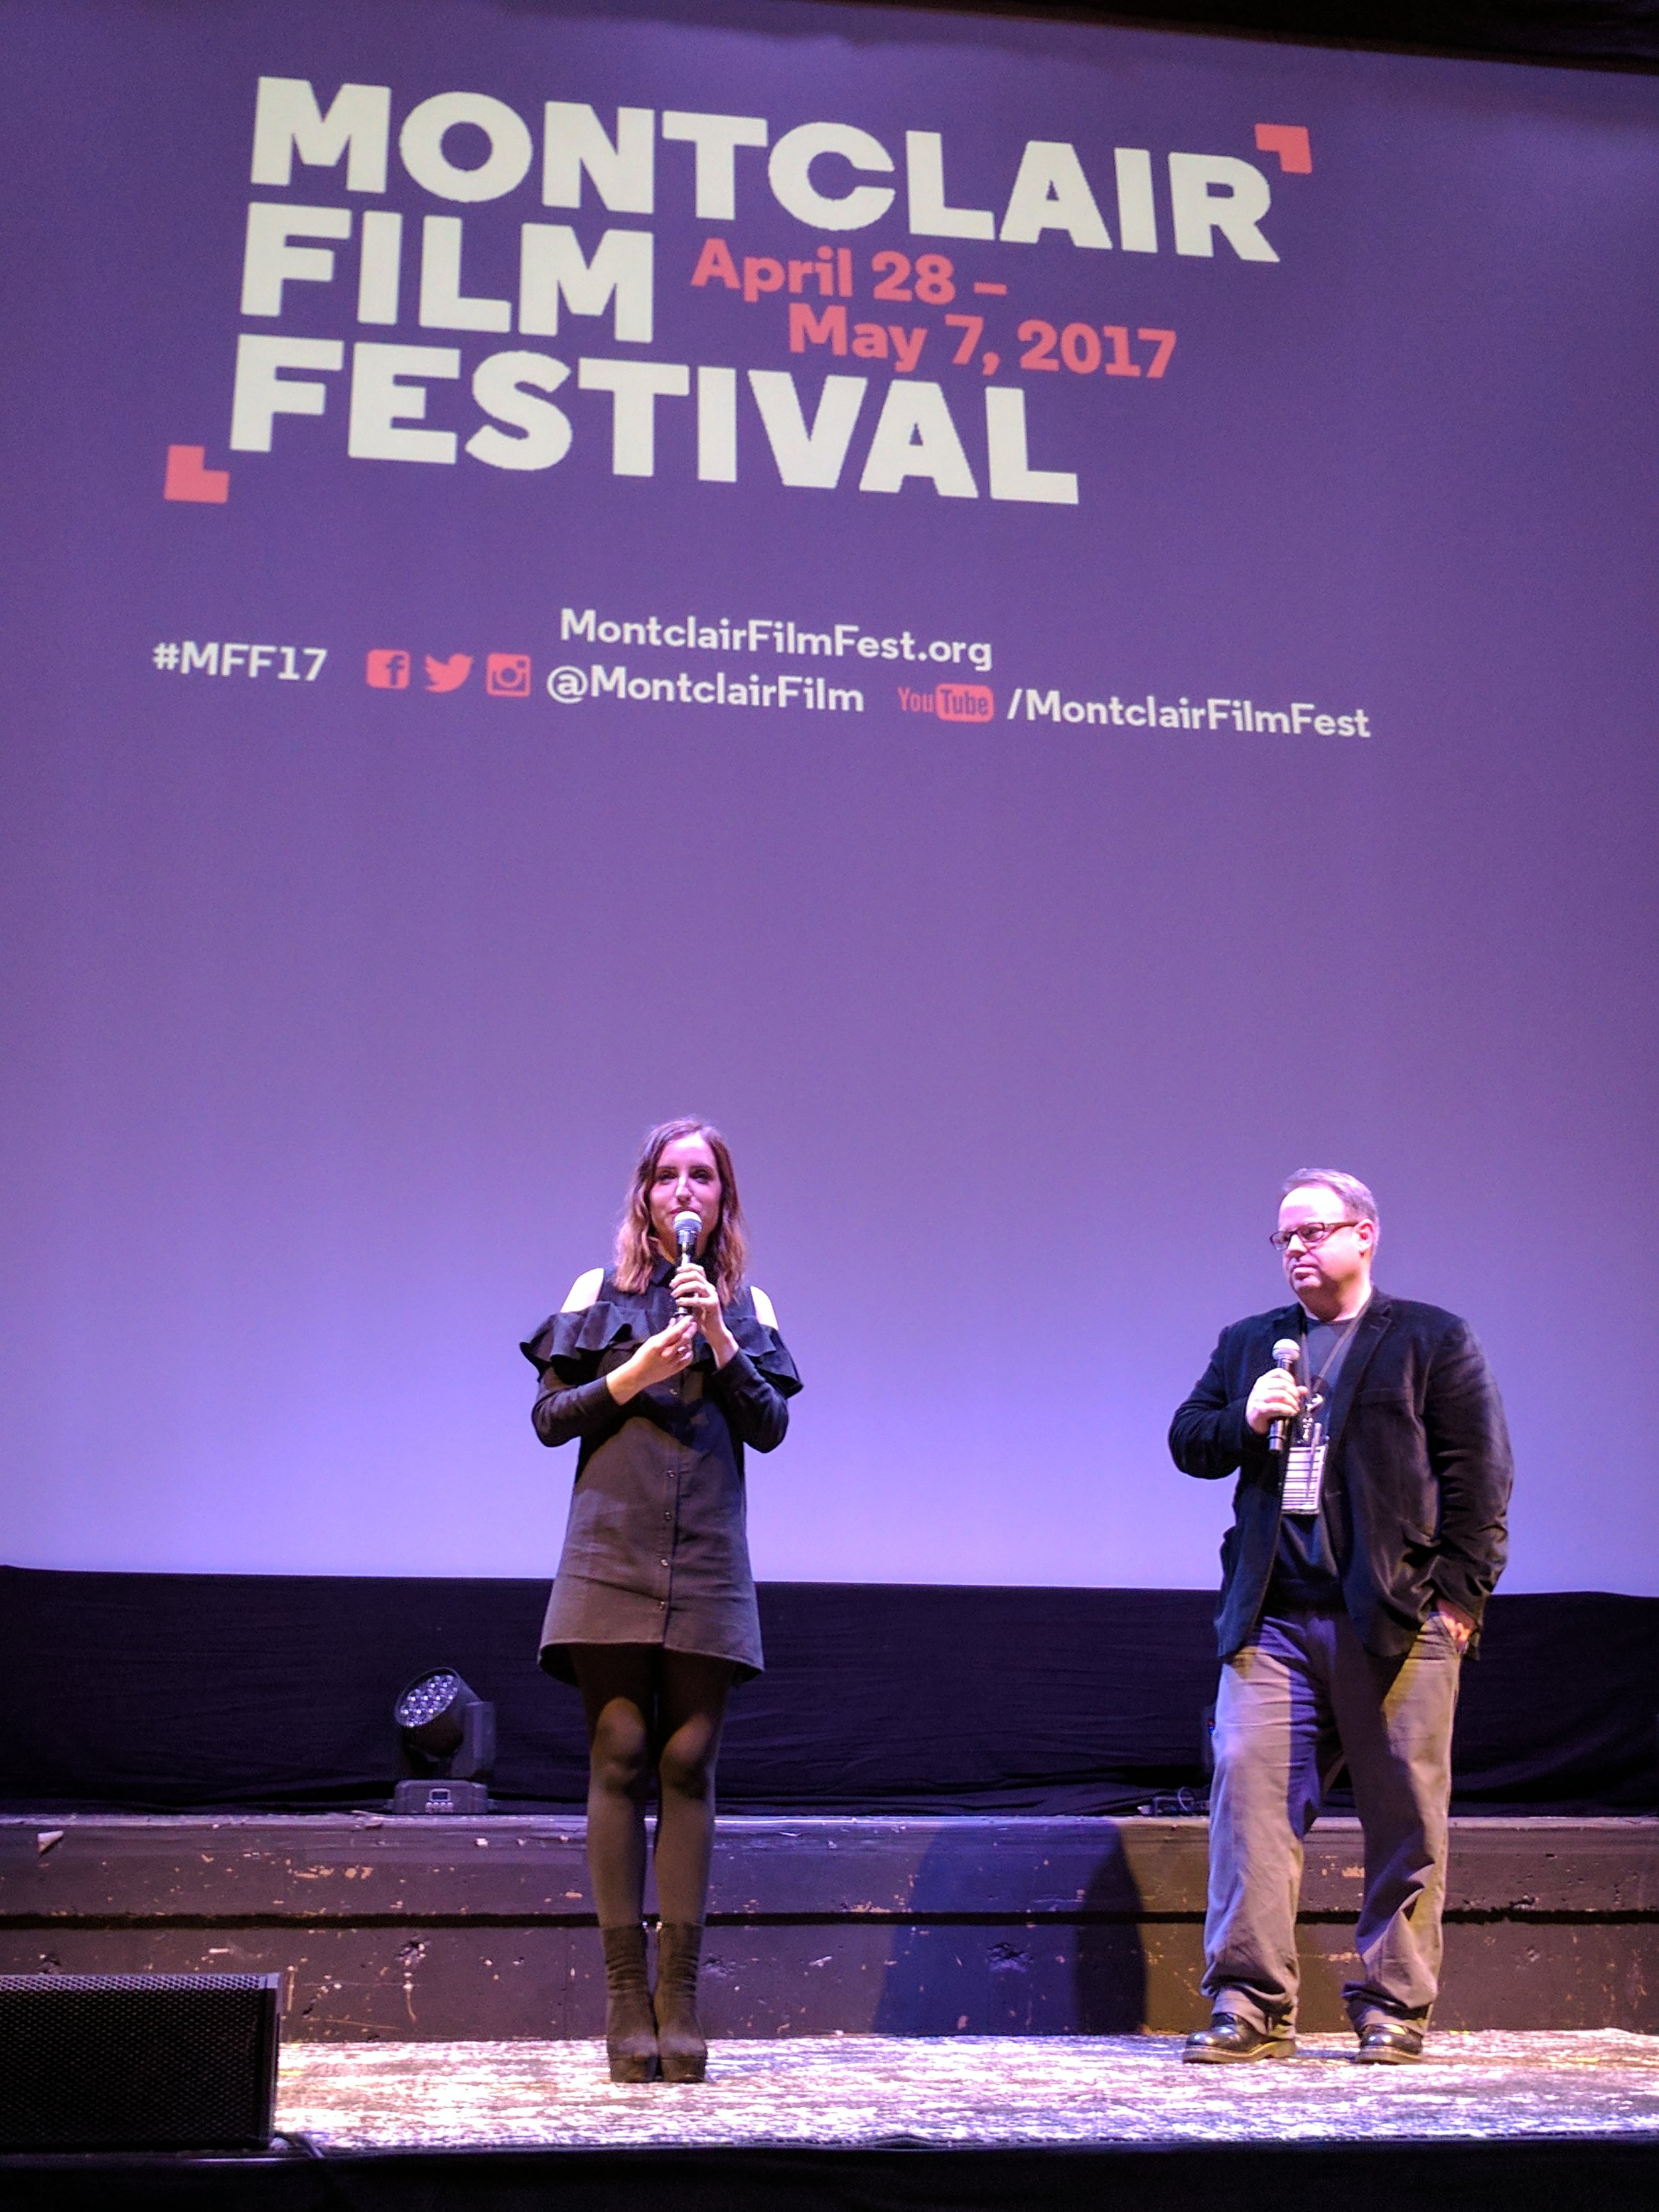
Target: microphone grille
[
  {"x": 1286, "y": 1351},
  {"x": 688, "y": 1225}
]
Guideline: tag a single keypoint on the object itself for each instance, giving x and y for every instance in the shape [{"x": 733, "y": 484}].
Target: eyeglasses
[{"x": 1312, "y": 1233}]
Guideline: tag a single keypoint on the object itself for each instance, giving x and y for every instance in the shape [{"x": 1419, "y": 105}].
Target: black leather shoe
[
  {"x": 1229, "y": 2037},
  {"x": 1388, "y": 2043}
]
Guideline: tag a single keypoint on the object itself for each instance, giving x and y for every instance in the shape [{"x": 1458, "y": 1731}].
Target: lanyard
[
  {"x": 1334, "y": 1359},
  {"x": 1304, "y": 1461}
]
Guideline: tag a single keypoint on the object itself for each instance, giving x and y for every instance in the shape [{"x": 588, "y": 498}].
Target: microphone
[
  {"x": 1286, "y": 1353},
  {"x": 688, "y": 1227}
]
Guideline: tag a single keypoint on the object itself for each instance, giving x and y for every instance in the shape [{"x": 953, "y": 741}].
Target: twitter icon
[{"x": 447, "y": 675}]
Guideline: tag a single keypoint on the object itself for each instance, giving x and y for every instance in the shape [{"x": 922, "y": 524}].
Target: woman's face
[{"x": 686, "y": 1180}]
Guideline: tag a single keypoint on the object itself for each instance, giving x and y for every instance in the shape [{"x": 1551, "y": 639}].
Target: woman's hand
[
  {"x": 693, "y": 1290},
  {"x": 659, "y": 1359}
]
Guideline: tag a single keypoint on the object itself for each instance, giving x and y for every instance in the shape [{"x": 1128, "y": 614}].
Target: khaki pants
[{"x": 1301, "y": 1696}]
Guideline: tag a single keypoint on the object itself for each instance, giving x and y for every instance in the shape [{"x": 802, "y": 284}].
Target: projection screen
[{"x": 1047, "y": 623}]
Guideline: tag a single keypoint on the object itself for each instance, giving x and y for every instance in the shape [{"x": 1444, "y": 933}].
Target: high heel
[
  {"x": 679, "y": 2036},
  {"x": 630, "y": 2026}
]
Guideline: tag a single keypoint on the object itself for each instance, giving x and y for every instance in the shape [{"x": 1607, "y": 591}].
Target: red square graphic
[
  {"x": 189, "y": 477},
  {"x": 1290, "y": 142}
]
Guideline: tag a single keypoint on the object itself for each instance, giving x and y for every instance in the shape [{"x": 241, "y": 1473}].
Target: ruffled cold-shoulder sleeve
[
  {"x": 565, "y": 1351},
  {"x": 766, "y": 1351},
  {"x": 568, "y": 1345},
  {"x": 756, "y": 1383}
]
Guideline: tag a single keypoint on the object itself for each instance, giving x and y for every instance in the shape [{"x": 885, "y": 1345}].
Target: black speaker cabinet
[{"x": 154, "y": 2061}]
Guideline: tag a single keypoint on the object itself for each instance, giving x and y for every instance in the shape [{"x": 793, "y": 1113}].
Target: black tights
[{"x": 650, "y": 1710}]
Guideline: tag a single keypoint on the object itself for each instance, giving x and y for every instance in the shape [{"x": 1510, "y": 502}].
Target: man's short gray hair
[{"x": 1352, "y": 1193}]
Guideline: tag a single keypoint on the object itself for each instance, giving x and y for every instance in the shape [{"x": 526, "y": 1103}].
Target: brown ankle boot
[
  {"x": 630, "y": 2026},
  {"x": 679, "y": 2038}
]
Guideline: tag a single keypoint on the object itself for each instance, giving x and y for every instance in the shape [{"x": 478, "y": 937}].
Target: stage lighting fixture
[{"x": 448, "y": 1737}]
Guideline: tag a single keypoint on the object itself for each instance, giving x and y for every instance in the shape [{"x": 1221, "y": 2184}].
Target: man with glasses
[{"x": 1374, "y": 1474}]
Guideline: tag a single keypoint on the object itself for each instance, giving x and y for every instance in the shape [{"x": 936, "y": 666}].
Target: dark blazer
[{"x": 1416, "y": 1485}]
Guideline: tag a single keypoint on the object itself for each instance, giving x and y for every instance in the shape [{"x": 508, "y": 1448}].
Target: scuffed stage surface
[{"x": 862, "y": 2092}]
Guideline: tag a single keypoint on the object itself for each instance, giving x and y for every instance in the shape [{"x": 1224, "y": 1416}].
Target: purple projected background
[{"x": 332, "y": 1012}]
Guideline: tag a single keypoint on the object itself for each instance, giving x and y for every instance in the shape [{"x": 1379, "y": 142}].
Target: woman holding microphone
[{"x": 665, "y": 1366}]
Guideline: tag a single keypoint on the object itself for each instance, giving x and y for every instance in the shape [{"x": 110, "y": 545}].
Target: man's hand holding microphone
[{"x": 1276, "y": 1398}]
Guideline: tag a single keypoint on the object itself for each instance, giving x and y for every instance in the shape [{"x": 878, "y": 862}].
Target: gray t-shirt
[{"x": 1308, "y": 1564}]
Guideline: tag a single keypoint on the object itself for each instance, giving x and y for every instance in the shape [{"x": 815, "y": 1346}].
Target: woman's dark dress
[{"x": 655, "y": 1550}]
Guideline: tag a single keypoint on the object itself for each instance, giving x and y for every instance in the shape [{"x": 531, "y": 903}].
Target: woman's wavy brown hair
[{"x": 636, "y": 1248}]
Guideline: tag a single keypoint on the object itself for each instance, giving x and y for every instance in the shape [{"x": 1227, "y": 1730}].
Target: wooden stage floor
[{"x": 869, "y": 2091}]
